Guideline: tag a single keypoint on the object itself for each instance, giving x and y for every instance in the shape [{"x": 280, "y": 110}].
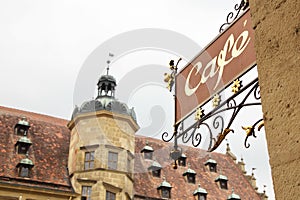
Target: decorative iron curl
[
  {"x": 257, "y": 92},
  {"x": 195, "y": 136},
  {"x": 165, "y": 135},
  {"x": 250, "y": 131},
  {"x": 231, "y": 16},
  {"x": 216, "y": 124},
  {"x": 231, "y": 103}
]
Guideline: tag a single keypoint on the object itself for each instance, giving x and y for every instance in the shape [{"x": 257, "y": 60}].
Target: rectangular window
[
  {"x": 110, "y": 195},
  {"x": 148, "y": 155},
  {"x": 86, "y": 193},
  {"x": 156, "y": 173},
  {"x": 89, "y": 160},
  {"x": 165, "y": 193},
  {"x": 24, "y": 172},
  {"x": 112, "y": 160}
]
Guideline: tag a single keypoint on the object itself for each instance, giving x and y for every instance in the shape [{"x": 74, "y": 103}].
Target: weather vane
[{"x": 108, "y": 62}]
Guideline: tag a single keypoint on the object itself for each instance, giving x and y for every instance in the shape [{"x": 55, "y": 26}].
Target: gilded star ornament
[
  {"x": 199, "y": 114},
  {"x": 236, "y": 86},
  {"x": 216, "y": 100}
]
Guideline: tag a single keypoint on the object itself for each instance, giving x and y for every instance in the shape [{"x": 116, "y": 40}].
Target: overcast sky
[{"x": 45, "y": 48}]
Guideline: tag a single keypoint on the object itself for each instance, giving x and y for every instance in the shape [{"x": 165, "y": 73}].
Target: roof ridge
[{"x": 33, "y": 115}]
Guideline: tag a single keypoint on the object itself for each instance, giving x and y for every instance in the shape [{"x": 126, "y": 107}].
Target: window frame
[
  {"x": 22, "y": 171},
  {"x": 201, "y": 195},
  {"x": 110, "y": 195},
  {"x": 223, "y": 185},
  {"x": 88, "y": 192},
  {"x": 156, "y": 173},
  {"x": 165, "y": 195},
  {"x": 212, "y": 167},
  {"x": 148, "y": 155},
  {"x": 191, "y": 178},
  {"x": 112, "y": 162},
  {"x": 90, "y": 162}
]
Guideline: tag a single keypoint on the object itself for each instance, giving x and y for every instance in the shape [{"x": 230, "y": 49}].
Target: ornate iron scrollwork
[
  {"x": 193, "y": 133},
  {"x": 231, "y": 16}
]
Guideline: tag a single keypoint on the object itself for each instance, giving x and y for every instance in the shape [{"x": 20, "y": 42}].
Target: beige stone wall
[
  {"x": 277, "y": 43},
  {"x": 102, "y": 132}
]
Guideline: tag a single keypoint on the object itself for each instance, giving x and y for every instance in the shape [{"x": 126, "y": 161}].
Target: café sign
[{"x": 223, "y": 60}]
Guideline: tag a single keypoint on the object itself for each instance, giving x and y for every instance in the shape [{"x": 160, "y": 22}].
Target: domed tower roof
[{"x": 105, "y": 99}]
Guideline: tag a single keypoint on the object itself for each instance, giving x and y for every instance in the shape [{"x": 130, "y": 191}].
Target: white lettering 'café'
[{"x": 220, "y": 61}]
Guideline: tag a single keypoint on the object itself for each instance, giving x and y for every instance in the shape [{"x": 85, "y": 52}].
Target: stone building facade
[{"x": 277, "y": 44}]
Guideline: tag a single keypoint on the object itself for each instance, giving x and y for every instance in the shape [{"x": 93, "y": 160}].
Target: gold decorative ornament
[
  {"x": 248, "y": 129},
  {"x": 199, "y": 114},
  {"x": 216, "y": 100},
  {"x": 221, "y": 136},
  {"x": 236, "y": 86},
  {"x": 170, "y": 78}
]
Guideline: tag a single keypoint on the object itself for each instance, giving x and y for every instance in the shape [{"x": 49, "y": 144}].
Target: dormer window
[
  {"x": 24, "y": 167},
  {"x": 21, "y": 128},
  {"x": 233, "y": 196},
  {"x": 200, "y": 193},
  {"x": 22, "y": 145},
  {"x": 211, "y": 164},
  {"x": 155, "y": 168},
  {"x": 182, "y": 160},
  {"x": 222, "y": 181},
  {"x": 148, "y": 151},
  {"x": 165, "y": 189},
  {"x": 190, "y": 175}
]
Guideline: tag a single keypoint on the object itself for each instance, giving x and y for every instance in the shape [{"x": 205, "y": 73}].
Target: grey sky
[{"x": 44, "y": 44}]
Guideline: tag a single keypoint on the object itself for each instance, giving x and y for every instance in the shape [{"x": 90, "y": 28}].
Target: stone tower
[{"x": 101, "y": 155}]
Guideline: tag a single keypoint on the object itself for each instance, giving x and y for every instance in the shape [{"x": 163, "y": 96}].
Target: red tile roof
[
  {"x": 49, "y": 150},
  {"x": 146, "y": 185}
]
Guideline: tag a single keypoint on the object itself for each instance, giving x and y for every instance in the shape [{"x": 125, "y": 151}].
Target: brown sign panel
[{"x": 224, "y": 59}]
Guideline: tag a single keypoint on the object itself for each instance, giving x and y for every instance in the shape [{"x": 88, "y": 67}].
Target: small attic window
[
  {"x": 24, "y": 167},
  {"x": 223, "y": 185},
  {"x": 156, "y": 173},
  {"x": 213, "y": 168},
  {"x": 165, "y": 193},
  {"x": 148, "y": 155},
  {"x": 148, "y": 151},
  {"x": 182, "y": 160},
  {"x": 24, "y": 171},
  {"x": 200, "y": 193},
  {"x": 191, "y": 178},
  {"x": 22, "y": 145},
  {"x": 165, "y": 189},
  {"x": 190, "y": 175},
  {"x": 21, "y": 128},
  {"x": 212, "y": 165},
  {"x": 222, "y": 181},
  {"x": 155, "y": 168}
]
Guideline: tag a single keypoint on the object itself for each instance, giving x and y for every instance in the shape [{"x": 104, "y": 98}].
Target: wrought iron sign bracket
[
  {"x": 193, "y": 133},
  {"x": 233, "y": 16}
]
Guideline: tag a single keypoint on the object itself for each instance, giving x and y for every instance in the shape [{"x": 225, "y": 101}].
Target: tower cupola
[{"x": 106, "y": 86}]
